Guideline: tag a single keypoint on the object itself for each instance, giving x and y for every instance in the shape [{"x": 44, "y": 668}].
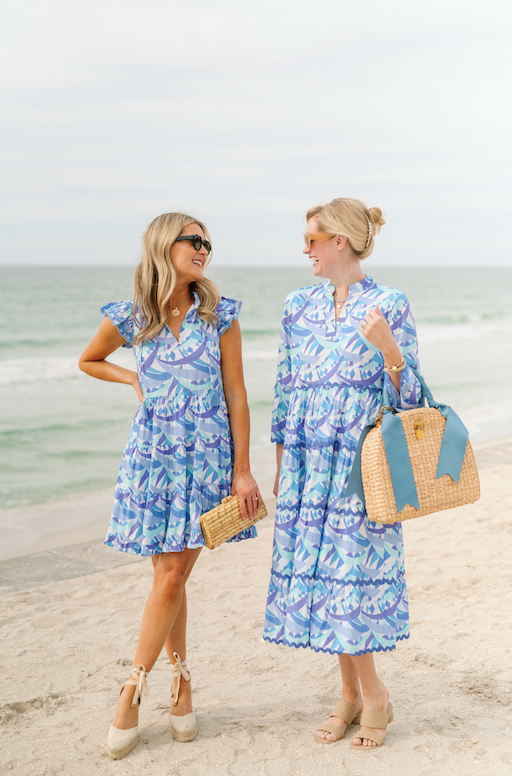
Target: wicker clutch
[
  {"x": 434, "y": 494},
  {"x": 225, "y": 521}
]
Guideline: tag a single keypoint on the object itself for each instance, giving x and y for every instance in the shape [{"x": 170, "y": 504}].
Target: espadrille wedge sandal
[
  {"x": 121, "y": 742},
  {"x": 182, "y": 728},
  {"x": 345, "y": 712},
  {"x": 373, "y": 719}
]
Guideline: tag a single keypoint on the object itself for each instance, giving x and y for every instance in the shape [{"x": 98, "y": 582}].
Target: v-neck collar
[{"x": 193, "y": 307}]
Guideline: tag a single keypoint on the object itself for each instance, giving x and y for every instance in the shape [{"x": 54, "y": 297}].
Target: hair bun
[
  {"x": 376, "y": 219},
  {"x": 351, "y": 218}
]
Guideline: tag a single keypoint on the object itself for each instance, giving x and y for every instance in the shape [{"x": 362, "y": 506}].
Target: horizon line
[{"x": 253, "y": 266}]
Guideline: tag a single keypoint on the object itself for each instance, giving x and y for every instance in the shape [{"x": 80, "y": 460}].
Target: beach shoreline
[
  {"x": 490, "y": 453},
  {"x": 98, "y": 505},
  {"x": 63, "y": 433}
]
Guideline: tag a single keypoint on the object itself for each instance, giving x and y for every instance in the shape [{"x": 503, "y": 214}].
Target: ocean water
[{"x": 62, "y": 433}]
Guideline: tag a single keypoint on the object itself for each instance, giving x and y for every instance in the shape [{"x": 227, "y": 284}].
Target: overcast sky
[{"x": 246, "y": 113}]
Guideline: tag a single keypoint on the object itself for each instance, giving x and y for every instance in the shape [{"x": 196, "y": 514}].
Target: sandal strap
[
  {"x": 375, "y": 719},
  {"x": 329, "y": 727},
  {"x": 370, "y": 735},
  {"x": 179, "y": 669},
  {"x": 344, "y": 711},
  {"x": 139, "y": 681}
]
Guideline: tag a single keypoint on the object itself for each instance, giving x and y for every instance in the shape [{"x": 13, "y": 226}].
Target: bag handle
[
  {"x": 455, "y": 435},
  {"x": 451, "y": 454},
  {"x": 425, "y": 398}
]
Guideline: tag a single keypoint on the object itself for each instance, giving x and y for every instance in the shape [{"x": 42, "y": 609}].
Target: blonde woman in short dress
[{"x": 188, "y": 446}]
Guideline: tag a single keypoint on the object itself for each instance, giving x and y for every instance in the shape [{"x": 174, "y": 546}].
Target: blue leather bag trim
[
  {"x": 451, "y": 454},
  {"x": 399, "y": 462}
]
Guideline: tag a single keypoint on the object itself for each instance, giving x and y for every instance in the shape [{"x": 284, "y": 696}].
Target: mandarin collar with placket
[{"x": 355, "y": 290}]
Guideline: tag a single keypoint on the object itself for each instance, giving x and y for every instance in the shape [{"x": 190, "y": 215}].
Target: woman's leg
[
  {"x": 171, "y": 571},
  {"x": 375, "y": 694},
  {"x": 351, "y": 694},
  {"x": 176, "y": 641}
]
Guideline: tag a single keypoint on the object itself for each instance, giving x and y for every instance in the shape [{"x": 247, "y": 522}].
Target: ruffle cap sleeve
[
  {"x": 227, "y": 311},
  {"x": 121, "y": 315}
]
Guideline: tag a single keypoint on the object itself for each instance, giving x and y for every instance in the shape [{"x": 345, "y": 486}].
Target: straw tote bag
[
  {"x": 414, "y": 462},
  {"x": 225, "y": 521}
]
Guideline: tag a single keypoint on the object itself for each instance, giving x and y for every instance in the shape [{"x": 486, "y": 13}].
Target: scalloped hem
[
  {"x": 332, "y": 652},
  {"x": 311, "y": 580}
]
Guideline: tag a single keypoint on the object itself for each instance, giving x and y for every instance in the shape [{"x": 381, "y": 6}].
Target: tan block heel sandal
[
  {"x": 373, "y": 719},
  {"x": 343, "y": 711}
]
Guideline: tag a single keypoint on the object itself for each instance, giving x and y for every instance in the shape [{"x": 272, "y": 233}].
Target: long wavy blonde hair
[
  {"x": 156, "y": 277},
  {"x": 349, "y": 217}
]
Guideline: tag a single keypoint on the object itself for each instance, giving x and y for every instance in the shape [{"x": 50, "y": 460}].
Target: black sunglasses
[{"x": 196, "y": 242}]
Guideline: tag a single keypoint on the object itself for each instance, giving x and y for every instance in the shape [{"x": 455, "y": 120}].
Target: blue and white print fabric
[
  {"x": 179, "y": 457},
  {"x": 337, "y": 582}
]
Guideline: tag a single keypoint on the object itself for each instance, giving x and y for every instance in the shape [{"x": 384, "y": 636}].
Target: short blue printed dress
[
  {"x": 337, "y": 583},
  {"x": 178, "y": 461}
]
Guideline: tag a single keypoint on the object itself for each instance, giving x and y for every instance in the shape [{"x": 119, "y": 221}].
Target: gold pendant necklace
[
  {"x": 175, "y": 311},
  {"x": 339, "y": 302}
]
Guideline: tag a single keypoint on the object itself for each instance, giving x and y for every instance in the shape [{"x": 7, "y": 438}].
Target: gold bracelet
[{"x": 397, "y": 368}]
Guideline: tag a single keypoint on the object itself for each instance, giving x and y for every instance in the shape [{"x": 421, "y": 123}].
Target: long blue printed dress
[
  {"x": 337, "y": 582},
  {"x": 177, "y": 463}
]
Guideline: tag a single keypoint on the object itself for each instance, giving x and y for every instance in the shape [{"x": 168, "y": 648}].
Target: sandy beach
[{"x": 71, "y": 617}]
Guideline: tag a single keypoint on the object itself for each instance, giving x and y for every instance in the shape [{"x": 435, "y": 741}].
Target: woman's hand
[
  {"x": 275, "y": 489},
  {"x": 244, "y": 486},
  {"x": 279, "y": 457},
  {"x": 377, "y": 330},
  {"x": 136, "y": 387}
]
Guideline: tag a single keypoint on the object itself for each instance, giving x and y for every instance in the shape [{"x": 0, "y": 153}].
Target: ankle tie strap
[
  {"x": 141, "y": 686},
  {"x": 179, "y": 669}
]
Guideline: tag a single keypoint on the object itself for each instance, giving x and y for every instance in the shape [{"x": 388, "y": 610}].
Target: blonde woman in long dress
[{"x": 338, "y": 579}]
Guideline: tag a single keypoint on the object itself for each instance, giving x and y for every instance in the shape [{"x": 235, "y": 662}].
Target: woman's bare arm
[
  {"x": 93, "y": 359},
  {"x": 236, "y": 399}
]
